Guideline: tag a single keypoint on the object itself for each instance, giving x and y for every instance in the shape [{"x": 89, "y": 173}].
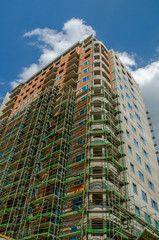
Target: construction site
[{"x": 63, "y": 172}]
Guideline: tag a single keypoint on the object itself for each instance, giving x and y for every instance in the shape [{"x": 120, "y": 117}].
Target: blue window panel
[
  {"x": 151, "y": 185},
  {"x": 143, "y": 140},
  {"x": 122, "y": 96},
  {"x": 137, "y": 211},
  {"x": 129, "y": 106},
  {"x": 81, "y": 142},
  {"x": 59, "y": 78},
  {"x": 156, "y": 224},
  {"x": 76, "y": 203},
  {"x": 86, "y": 63},
  {"x": 84, "y": 88},
  {"x": 131, "y": 116},
  {"x": 139, "y": 127},
  {"x": 132, "y": 90},
  {"x": 138, "y": 117},
  {"x": 126, "y": 87},
  {"x": 127, "y": 134},
  {"x": 28, "y": 99},
  {"x": 124, "y": 108},
  {"x": 121, "y": 87},
  {"x": 136, "y": 143},
  {"x": 135, "y": 106},
  {"x": 133, "y": 97},
  {"x": 118, "y": 70},
  {"x": 73, "y": 229},
  {"x": 141, "y": 176},
  {"x": 21, "y": 104},
  {"x": 134, "y": 188},
  {"x": 132, "y": 167},
  {"x": 138, "y": 158},
  {"x": 78, "y": 182},
  {"x": 130, "y": 149},
  {"x": 144, "y": 196},
  {"x": 126, "y": 120},
  {"x": 83, "y": 111},
  {"x": 86, "y": 70},
  {"x": 147, "y": 218},
  {"x": 82, "y": 122},
  {"x": 145, "y": 153},
  {"x": 36, "y": 94},
  {"x": 85, "y": 79},
  {"x": 119, "y": 78},
  {"x": 134, "y": 129},
  {"x": 124, "y": 79},
  {"x": 148, "y": 168},
  {"x": 80, "y": 157},
  {"x": 128, "y": 96}
]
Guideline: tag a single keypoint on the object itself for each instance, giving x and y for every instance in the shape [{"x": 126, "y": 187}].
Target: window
[
  {"x": 76, "y": 204},
  {"x": 130, "y": 149},
  {"x": 141, "y": 176},
  {"x": 28, "y": 99},
  {"x": 81, "y": 142},
  {"x": 136, "y": 143},
  {"x": 85, "y": 70},
  {"x": 144, "y": 196},
  {"x": 21, "y": 104},
  {"x": 118, "y": 70},
  {"x": 135, "y": 106},
  {"x": 132, "y": 89},
  {"x": 132, "y": 167},
  {"x": 85, "y": 79},
  {"x": 124, "y": 107},
  {"x": 128, "y": 96},
  {"x": 133, "y": 97},
  {"x": 124, "y": 79},
  {"x": 156, "y": 224},
  {"x": 142, "y": 139},
  {"x": 154, "y": 204},
  {"x": 138, "y": 117},
  {"x": 131, "y": 116},
  {"x": 137, "y": 211},
  {"x": 138, "y": 158},
  {"x": 139, "y": 127},
  {"x": 78, "y": 182},
  {"x": 126, "y": 120},
  {"x": 134, "y": 188},
  {"x": 122, "y": 96},
  {"x": 129, "y": 106},
  {"x": 151, "y": 185},
  {"x": 83, "y": 111},
  {"x": 134, "y": 129},
  {"x": 82, "y": 122},
  {"x": 84, "y": 88},
  {"x": 148, "y": 168},
  {"x": 36, "y": 94},
  {"x": 80, "y": 157},
  {"x": 145, "y": 153},
  {"x": 86, "y": 63},
  {"x": 127, "y": 134},
  {"x": 126, "y": 87},
  {"x": 147, "y": 218},
  {"x": 119, "y": 78},
  {"x": 121, "y": 87},
  {"x": 59, "y": 78}
]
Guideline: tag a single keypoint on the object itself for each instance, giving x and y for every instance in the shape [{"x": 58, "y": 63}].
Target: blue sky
[{"x": 129, "y": 27}]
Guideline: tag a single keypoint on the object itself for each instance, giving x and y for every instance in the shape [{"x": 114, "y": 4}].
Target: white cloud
[
  {"x": 148, "y": 79},
  {"x": 52, "y": 43}
]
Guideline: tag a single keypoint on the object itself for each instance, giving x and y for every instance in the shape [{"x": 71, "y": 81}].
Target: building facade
[{"x": 77, "y": 156}]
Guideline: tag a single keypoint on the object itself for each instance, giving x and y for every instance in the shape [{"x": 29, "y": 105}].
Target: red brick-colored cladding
[
  {"x": 35, "y": 85},
  {"x": 85, "y": 56}
]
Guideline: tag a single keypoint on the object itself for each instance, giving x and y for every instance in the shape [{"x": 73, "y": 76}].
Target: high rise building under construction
[{"x": 77, "y": 157}]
